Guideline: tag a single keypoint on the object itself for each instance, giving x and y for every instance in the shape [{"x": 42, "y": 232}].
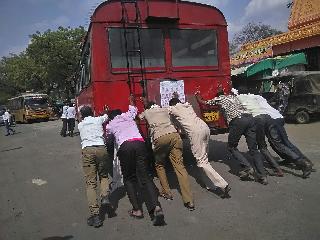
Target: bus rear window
[
  {"x": 35, "y": 101},
  {"x": 152, "y": 45},
  {"x": 193, "y": 47}
]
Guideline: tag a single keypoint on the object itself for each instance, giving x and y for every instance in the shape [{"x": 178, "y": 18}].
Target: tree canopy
[
  {"x": 47, "y": 65},
  {"x": 250, "y": 33}
]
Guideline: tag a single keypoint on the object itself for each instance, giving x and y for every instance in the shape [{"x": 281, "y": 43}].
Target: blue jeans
[{"x": 280, "y": 142}]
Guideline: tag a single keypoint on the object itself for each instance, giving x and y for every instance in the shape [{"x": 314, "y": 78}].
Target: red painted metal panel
[
  {"x": 109, "y": 87},
  {"x": 162, "y": 9}
]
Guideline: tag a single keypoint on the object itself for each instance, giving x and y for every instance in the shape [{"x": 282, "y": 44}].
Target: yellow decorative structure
[{"x": 304, "y": 22}]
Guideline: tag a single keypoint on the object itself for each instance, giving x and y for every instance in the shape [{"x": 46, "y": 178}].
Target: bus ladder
[{"x": 133, "y": 28}]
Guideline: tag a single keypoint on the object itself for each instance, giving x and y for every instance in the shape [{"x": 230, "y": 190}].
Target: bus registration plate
[{"x": 211, "y": 116}]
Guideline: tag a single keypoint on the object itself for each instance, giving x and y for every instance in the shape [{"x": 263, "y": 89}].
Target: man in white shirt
[
  {"x": 71, "y": 115},
  {"x": 272, "y": 124},
  {"x": 6, "y": 118},
  {"x": 64, "y": 120},
  {"x": 263, "y": 114},
  {"x": 132, "y": 154},
  {"x": 95, "y": 161}
]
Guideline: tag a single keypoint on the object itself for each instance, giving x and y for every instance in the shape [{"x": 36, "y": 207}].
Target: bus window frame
[
  {"x": 191, "y": 67},
  {"x": 85, "y": 65},
  {"x": 146, "y": 69}
]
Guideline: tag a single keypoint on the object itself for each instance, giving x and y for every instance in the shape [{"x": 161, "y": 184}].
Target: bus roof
[{"x": 24, "y": 95}]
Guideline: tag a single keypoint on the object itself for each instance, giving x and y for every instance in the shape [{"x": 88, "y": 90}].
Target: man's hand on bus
[
  {"x": 175, "y": 95},
  {"x": 144, "y": 101},
  {"x": 199, "y": 97},
  {"x": 132, "y": 100},
  {"x": 106, "y": 108}
]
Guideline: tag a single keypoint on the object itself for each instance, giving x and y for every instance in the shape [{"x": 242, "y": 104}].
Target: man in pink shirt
[{"x": 132, "y": 155}]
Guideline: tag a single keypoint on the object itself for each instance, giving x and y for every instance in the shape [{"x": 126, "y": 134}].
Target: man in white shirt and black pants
[
  {"x": 263, "y": 115},
  {"x": 6, "y": 118},
  {"x": 64, "y": 120},
  {"x": 71, "y": 115},
  {"x": 275, "y": 131}
]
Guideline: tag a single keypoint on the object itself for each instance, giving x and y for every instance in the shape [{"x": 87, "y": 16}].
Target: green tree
[
  {"x": 250, "y": 33},
  {"x": 47, "y": 65},
  {"x": 57, "y": 54}
]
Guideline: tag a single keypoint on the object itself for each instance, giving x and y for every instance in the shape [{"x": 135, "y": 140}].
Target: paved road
[{"x": 287, "y": 208}]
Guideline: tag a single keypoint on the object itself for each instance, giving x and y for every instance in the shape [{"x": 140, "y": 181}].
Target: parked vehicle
[
  {"x": 154, "y": 48},
  {"x": 28, "y": 107},
  {"x": 304, "y": 100}
]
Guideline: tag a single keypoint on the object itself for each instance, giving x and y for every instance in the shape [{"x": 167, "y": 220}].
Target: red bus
[{"x": 153, "y": 48}]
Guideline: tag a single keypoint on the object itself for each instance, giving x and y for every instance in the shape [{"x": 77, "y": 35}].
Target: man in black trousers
[
  {"x": 132, "y": 155},
  {"x": 240, "y": 123}
]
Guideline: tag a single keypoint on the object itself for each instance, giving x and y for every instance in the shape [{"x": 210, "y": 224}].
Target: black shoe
[
  {"x": 105, "y": 200},
  {"x": 246, "y": 173},
  {"x": 94, "y": 221},
  {"x": 190, "y": 206},
  {"x": 306, "y": 170},
  {"x": 158, "y": 218},
  {"x": 225, "y": 193},
  {"x": 7, "y": 134},
  {"x": 263, "y": 180},
  {"x": 107, "y": 207}
]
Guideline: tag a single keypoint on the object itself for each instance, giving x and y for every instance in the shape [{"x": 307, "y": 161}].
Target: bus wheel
[
  {"x": 24, "y": 120},
  {"x": 302, "y": 117}
]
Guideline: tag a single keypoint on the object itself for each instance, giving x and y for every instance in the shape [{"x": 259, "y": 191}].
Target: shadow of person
[
  {"x": 193, "y": 170},
  {"x": 218, "y": 152},
  {"x": 59, "y": 238},
  {"x": 116, "y": 196}
]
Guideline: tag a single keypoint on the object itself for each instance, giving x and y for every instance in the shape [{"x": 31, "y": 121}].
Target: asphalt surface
[{"x": 43, "y": 196}]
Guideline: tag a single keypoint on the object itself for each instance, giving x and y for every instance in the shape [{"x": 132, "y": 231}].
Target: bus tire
[{"x": 302, "y": 117}]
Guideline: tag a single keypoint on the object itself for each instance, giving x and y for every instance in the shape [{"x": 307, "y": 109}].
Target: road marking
[{"x": 39, "y": 181}]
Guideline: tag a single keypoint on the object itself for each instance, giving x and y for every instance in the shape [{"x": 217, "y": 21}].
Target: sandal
[{"x": 131, "y": 214}]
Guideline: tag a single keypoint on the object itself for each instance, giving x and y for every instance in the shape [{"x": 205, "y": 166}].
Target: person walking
[
  {"x": 198, "y": 134},
  {"x": 166, "y": 142},
  {"x": 64, "y": 119},
  {"x": 95, "y": 162},
  {"x": 132, "y": 155},
  {"x": 240, "y": 123},
  {"x": 71, "y": 118},
  {"x": 6, "y": 118}
]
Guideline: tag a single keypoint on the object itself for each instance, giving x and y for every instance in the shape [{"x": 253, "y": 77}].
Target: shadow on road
[
  {"x": 116, "y": 196},
  {"x": 218, "y": 152},
  {"x": 58, "y": 238},
  {"x": 11, "y": 149}
]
